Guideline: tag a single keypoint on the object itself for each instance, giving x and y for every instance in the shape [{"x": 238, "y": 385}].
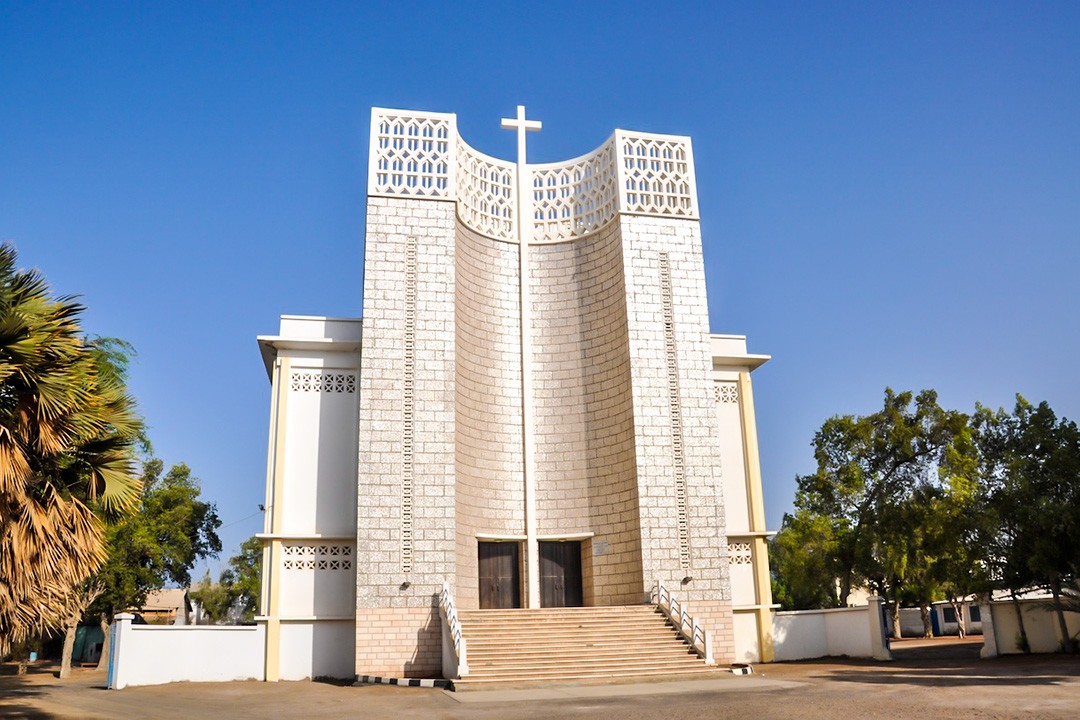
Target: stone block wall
[
  {"x": 405, "y": 493},
  {"x": 490, "y": 491},
  {"x": 678, "y": 460},
  {"x": 585, "y": 479},
  {"x": 399, "y": 642}
]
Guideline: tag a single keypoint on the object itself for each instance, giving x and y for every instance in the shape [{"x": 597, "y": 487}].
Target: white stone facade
[{"x": 552, "y": 381}]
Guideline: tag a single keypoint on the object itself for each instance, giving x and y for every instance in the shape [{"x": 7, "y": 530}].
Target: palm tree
[{"x": 67, "y": 433}]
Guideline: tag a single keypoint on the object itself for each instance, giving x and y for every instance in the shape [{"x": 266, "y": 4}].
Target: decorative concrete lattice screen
[
  {"x": 575, "y": 197},
  {"x": 485, "y": 189},
  {"x": 726, "y": 392},
  {"x": 657, "y": 175},
  {"x": 304, "y": 556},
  {"x": 420, "y": 154},
  {"x": 412, "y": 154},
  {"x": 408, "y": 406},
  {"x": 323, "y": 382},
  {"x": 675, "y": 416},
  {"x": 740, "y": 553}
]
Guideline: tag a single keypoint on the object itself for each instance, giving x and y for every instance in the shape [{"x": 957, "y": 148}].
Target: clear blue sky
[{"x": 890, "y": 193}]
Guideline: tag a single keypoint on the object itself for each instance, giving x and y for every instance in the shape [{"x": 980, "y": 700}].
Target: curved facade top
[{"x": 420, "y": 154}]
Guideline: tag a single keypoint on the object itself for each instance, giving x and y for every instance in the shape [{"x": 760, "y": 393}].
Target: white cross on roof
[{"x": 522, "y": 126}]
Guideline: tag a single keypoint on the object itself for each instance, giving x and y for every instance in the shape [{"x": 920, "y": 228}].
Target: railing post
[
  {"x": 685, "y": 625},
  {"x": 463, "y": 662}
]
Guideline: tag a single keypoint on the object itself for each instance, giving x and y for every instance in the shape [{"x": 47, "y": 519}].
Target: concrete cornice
[{"x": 269, "y": 345}]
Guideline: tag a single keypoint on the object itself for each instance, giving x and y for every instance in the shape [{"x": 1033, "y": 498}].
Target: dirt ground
[{"x": 928, "y": 679}]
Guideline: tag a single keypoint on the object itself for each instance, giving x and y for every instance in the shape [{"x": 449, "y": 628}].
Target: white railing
[
  {"x": 699, "y": 638},
  {"x": 456, "y": 666}
]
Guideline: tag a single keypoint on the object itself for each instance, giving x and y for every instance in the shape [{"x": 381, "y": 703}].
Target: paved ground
[{"x": 940, "y": 679}]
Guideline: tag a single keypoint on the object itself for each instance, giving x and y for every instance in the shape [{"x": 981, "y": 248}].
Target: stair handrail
[
  {"x": 686, "y": 625},
  {"x": 452, "y": 623}
]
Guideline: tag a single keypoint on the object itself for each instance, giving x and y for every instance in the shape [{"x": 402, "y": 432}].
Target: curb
[{"x": 403, "y": 682}]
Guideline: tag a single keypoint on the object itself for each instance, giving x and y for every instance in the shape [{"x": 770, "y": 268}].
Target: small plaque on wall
[{"x": 599, "y": 547}]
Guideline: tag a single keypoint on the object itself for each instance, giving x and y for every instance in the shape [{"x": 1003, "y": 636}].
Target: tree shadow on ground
[
  {"x": 23, "y": 712},
  {"x": 958, "y": 666},
  {"x": 16, "y": 690}
]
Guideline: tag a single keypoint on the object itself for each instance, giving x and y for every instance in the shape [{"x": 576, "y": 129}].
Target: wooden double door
[
  {"x": 500, "y": 574},
  {"x": 560, "y": 574}
]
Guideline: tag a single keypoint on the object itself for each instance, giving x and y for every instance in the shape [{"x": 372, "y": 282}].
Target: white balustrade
[
  {"x": 455, "y": 661},
  {"x": 686, "y": 625}
]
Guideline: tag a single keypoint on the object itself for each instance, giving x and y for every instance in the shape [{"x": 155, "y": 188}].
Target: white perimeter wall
[
  {"x": 747, "y": 648},
  {"x": 317, "y": 649},
  {"x": 158, "y": 654},
  {"x": 805, "y": 634},
  {"x": 911, "y": 625},
  {"x": 1040, "y": 624}
]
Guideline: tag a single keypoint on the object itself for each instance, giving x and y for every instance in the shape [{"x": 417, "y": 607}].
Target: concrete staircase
[{"x": 572, "y": 644}]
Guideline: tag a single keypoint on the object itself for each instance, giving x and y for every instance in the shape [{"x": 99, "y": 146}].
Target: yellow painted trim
[
  {"x": 751, "y": 456},
  {"x": 763, "y": 591},
  {"x": 275, "y": 493},
  {"x": 273, "y": 622},
  {"x": 278, "y": 508},
  {"x": 756, "y": 511}
]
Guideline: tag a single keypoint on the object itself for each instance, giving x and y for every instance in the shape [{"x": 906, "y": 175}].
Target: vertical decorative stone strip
[
  {"x": 677, "y": 455},
  {"x": 407, "y": 406}
]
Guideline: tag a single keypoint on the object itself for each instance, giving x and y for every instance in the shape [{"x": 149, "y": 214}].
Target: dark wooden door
[
  {"x": 560, "y": 574},
  {"x": 500, "y": 577}
]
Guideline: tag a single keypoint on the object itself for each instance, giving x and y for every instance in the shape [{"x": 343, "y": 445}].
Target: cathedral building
[{"x": 531, "y": 413}]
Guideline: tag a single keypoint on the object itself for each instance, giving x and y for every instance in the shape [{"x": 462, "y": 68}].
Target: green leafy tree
[
  {"x": 1006, "y": 554},
  {"x": 238, "y": 586},
  {"x": 244, "y": 577},
  {"x": 804, "y": 563},
  {"x": 68, "y": 431},
  {"x": 961, "y": 523},
  {"x": 869, "y": 469},
  {"x": 215, "y": 599},
  {"x": 1038, "y": 504},
  {"x": 911, "y": 549},
  {"x": 158, "y": 545}
]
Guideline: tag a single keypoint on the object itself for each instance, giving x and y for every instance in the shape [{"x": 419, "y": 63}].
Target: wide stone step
[
  {"x": 522, "y": 644},
  {"x": 587, "y": 661},
  {"x": 593, "y": 669},
  {"x": 572, "y": 644},
  {"x": 562, "y": 622},
  {"x": 584, "y": 635},
  {"x": 549, "y": 643},
  {"x": 525, "y": 678},
  {"x": 645, "y": 633},
  {"x": 581, "y": 610},
  {"x": 567, "y": 622},
  {"x": 568, "y": 652}
]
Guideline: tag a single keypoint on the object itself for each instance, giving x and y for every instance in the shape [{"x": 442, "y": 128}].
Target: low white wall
[
  {"x": 158, "y": 654},
  {"x": 799, "y": 634},
  {"x": 747, "y": 649},
  {"x": 317, "y": 649},
  {"x": 1040, "y": 624},
  {"x": 911, "y": 625},
  {"x": 806, "y": 634},
  {"x": 848, "y": 633}
]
